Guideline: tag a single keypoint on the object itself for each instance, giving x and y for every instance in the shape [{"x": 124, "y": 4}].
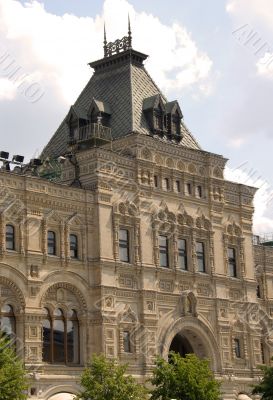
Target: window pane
[
  {"x": 124, "y": 255},
  {"x": 7, "y": 308},
  {"x": 58, "y": 312},
  {"x": 46, "y": 340},
  {"x": 200, "y": 253},
  {"x": 182, "y": 254},
  {"x": 177, "y": 186},
  {"x": 163, "y": 251},
  {"x": 126, "y": 342},
  {"x": 237, "y": 348},
  {"x": 232, "y": 262},
  {"x": 73, "y": 246},
  {"x": 10, "y": 239},
  {"x": 72, "y": 341},
  {"x": 58, "y": 341},
  {"x": 51, "y": 243}
]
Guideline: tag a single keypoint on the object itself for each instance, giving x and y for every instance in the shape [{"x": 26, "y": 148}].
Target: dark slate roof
[{"x": 123, "y": 86}]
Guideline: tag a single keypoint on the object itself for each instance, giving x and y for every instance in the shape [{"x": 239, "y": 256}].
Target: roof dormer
[
  {"x": 154, "y": 110},
  {"x": 173, "y": 120}
]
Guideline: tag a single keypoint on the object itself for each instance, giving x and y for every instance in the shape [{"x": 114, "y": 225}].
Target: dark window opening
[
  {"x": 237, "y": 348},
  {"x": 51, "y": 243},
  {"x": 177, "y": 186},
  {"x": 60, "y": 337},
  {"x": 182, "y": 254},
  {"x": 127, "y": 342},
  {"x": 155, "y": 181},
  {"x": 10, "y": 237},
  {"x": 232, "y": 262},
  {"x": 73, "y": 246},
  {"x": 200, "y": 253},
  {"x": 124, "y": 251},
  {"x": 199, "y": 192},
  {"x": 163, "y": 251}
]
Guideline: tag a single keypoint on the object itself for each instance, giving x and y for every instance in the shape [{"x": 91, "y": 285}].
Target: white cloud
[
  {"x": 7, "y": 89},
  {"x": 59, "y": 47},
  {"x": 263, "y": 198},
  {"x": 236, "y": 142}
]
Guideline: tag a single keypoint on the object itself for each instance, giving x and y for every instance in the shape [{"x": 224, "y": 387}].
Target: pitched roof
[{"x": 121, "y": 82}]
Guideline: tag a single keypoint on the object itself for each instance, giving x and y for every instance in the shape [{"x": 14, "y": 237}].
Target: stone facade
[{"x": 133, "y": 309}]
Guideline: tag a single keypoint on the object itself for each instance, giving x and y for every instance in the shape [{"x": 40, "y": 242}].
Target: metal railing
[
  {"x": 95, "y": 131},
  {"x": 265, "y": 239}
]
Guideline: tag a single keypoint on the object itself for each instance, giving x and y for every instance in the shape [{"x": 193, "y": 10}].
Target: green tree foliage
[
  {"x": 105, "y": 380},
  {"x": 13, "y": 379},
  {"x": 184, "y": 378},
  {"x": 265, "y": 387}
]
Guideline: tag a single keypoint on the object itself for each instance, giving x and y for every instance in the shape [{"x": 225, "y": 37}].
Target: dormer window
[
  {"x": 174, "y": 117},
  {"x": 159, "y": 118},
  {"x": 100, "y": 113},
  {"x": 154, "y": 110}
]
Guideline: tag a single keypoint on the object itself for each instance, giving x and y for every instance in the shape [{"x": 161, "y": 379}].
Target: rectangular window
[
  {"x": 200, "y": 254},
  {"x": 51, "y": 243},
  {"x": 188, "y": 189},
  {"x": 163, "y": 251},
  {"x": 177, "y": 186},
  {"x": 166, "y": 184},
  {"x": 73, "y": 246},
  {"x": 182, "y": 254},
  {"x": 199, "y": 192},
  {"x": 10, "y": 237},
  {"x": 232, "y": 262},
  {"x": 155, "y": 181},
  {"x": 237, "y": 348},
  {"x": 124, "y": 253},
  {"x": 127, "y": 342}
]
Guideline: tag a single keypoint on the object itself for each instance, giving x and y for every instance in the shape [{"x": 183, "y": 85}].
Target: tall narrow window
[
  {"x": 127, "y": 342},
  {"x": 51, "y": 243},
  {"x": 124, "y": 253},
  {"x": 237, "y": 348},
  {"x": 199, "y": 192},
  {"x": 182, "y": 254},
  {"x": 200, "y": 254},
  {"x": 72, "y": 338},
  {"x": 163, "y": 251},
  {"x": 188, "y": 189},
  {"x": 155, "y": 181},
  {"x": 59, "y": 336},
  {"x": 166, "y": 184},
  {"x": 259, "y": 291},
  {"x": 47, "y": 336},
  {"x": 177, "y": 186},
  {"x": 232, "y": 262},
  {"x": 73, "y": 246},
  {"x": 10, "y": 237},
  {"x": 7, "y": 321}
]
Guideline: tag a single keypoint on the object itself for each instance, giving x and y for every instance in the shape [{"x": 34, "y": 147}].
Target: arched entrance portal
[
  {"x": 181, "y": 345},
  {"x": 62, "y": 396},
  {"x": 188, "y": 341}
]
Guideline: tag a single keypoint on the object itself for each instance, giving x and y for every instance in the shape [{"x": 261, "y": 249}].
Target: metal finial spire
[
  {"x": 129, "y": 32},
  {"x": 105, "y": 42}
]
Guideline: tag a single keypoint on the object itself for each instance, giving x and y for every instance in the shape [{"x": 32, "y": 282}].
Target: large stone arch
[
  {"x": 64, "y": 389},
  {"x": 67, "y": 286},
  {"x": 17, "y": 293},
  {"x": 198, "y": 334}
]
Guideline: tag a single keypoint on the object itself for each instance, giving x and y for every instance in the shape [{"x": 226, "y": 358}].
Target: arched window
[
  {"x": 10, "y": 237},
  {"x": 73, "y": 246},
  {"x": 7, "y": 321},
  {"x": 61, "y": 337},
  {"x": 51, "y": 243}
]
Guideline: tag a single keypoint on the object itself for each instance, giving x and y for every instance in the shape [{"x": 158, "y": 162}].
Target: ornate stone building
[{"x": 128, "y": 241}]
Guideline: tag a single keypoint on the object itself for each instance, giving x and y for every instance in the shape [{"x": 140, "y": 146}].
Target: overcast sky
[{"x": 214, "y": 56}]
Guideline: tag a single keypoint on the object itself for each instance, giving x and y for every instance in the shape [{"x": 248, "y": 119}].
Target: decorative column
[
  {"x": 156, "y": 246},
  {"x": 116, "y": 237},
  {"x": 137, "y": 241},
  {"x": 62, "y": 241},
  {"x": 2, "y": 234}
]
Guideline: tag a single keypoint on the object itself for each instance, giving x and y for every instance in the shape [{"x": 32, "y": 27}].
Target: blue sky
[{"x": 203, "y": 53}]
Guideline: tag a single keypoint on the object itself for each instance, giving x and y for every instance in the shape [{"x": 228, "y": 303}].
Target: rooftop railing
[
  {"x": 265, "y": 239},
  {"x": 95, "y": 131}
]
